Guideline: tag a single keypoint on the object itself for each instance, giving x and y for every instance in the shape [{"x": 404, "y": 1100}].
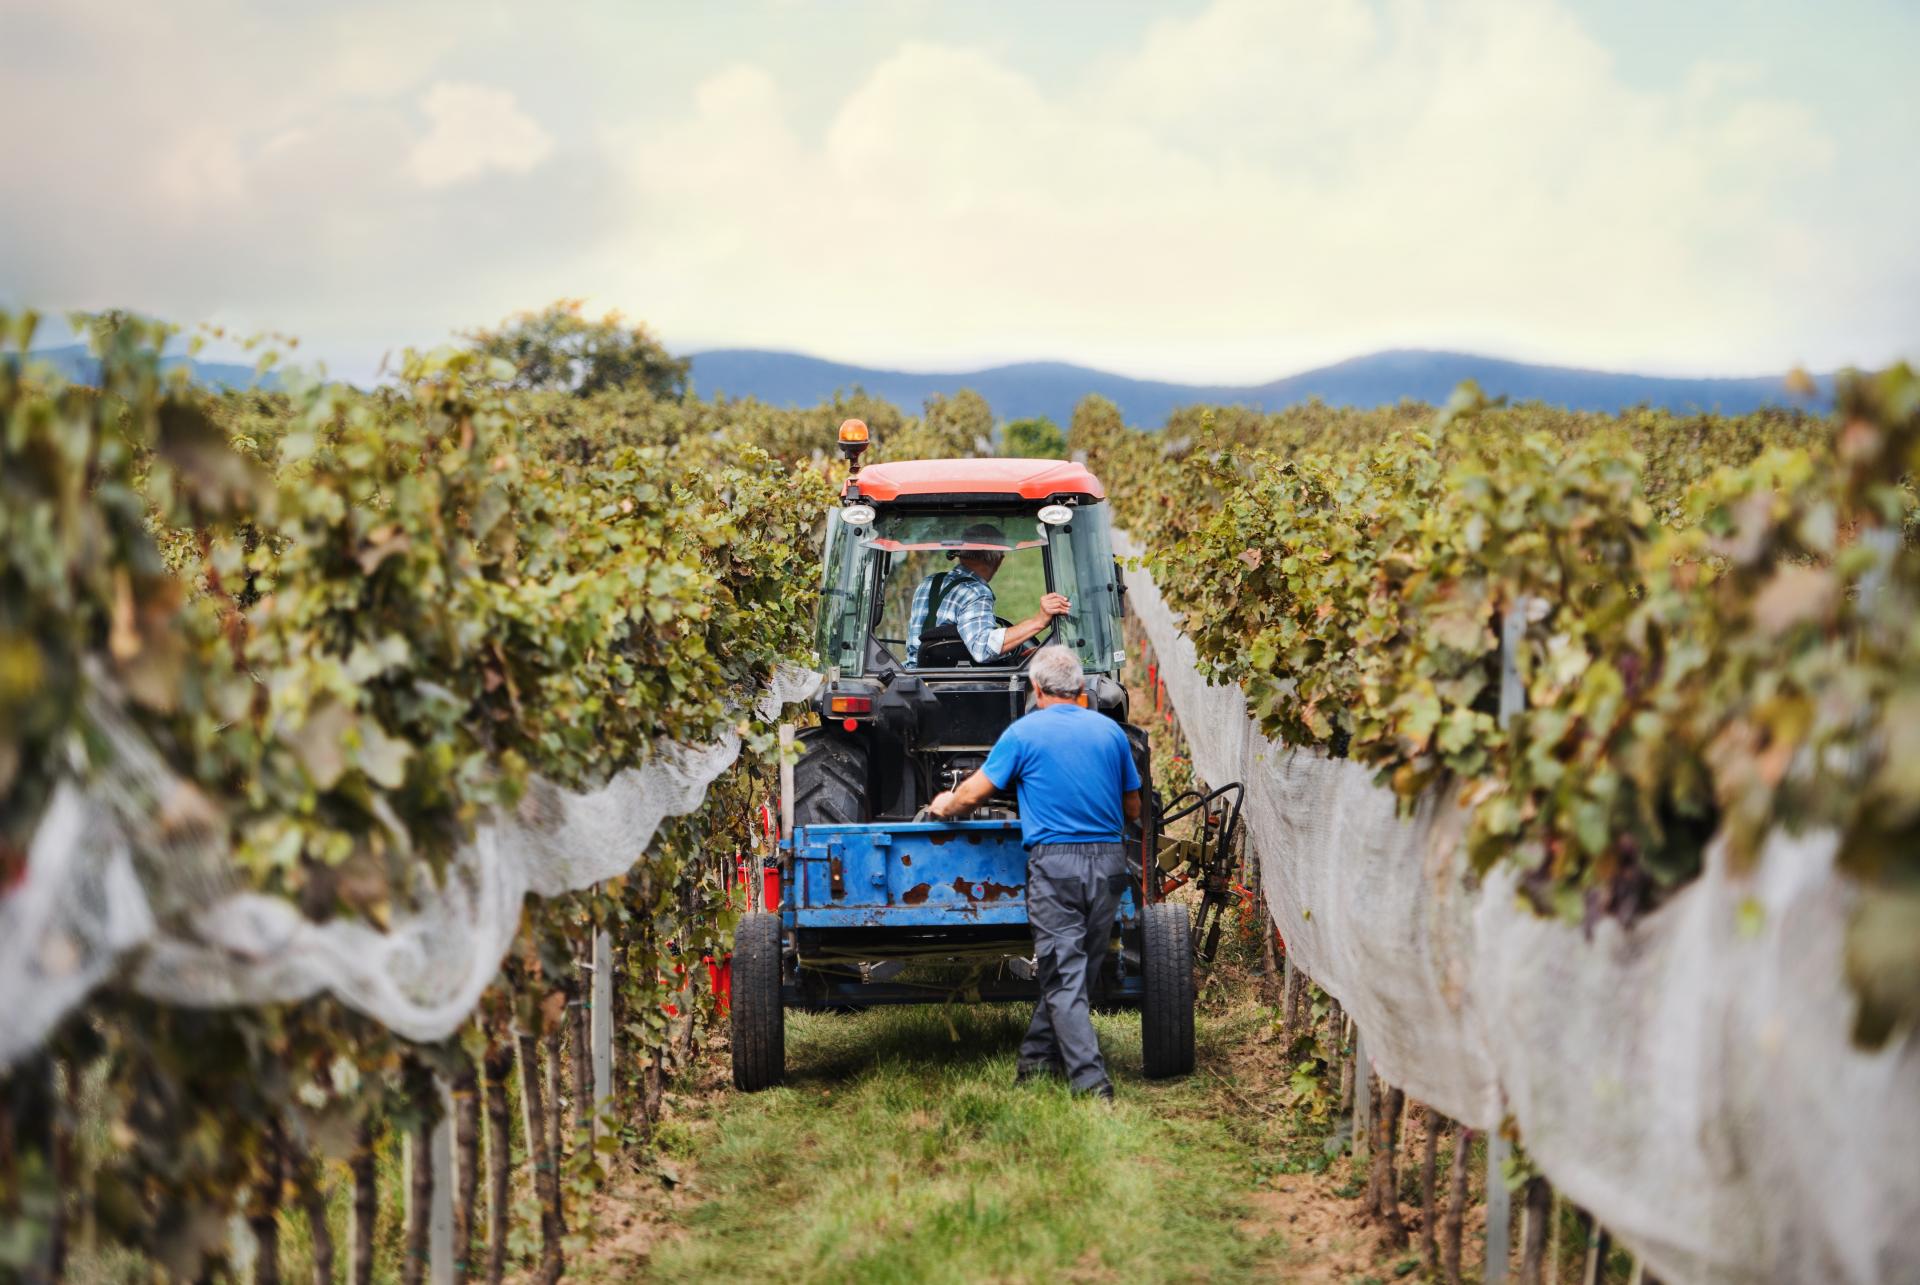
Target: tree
[
  {"x": 558, "y": 348},
  {"x": 963, "y": 421},
  {"x": 1035, "y": 439},
  {"x": 1095, "y": 422}
]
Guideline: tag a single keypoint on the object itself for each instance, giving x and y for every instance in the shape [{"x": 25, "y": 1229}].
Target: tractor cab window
[
  {"x": 1083, "y": 569},
  {"x": 874, "y": 573},
  {"x": 990, "y": 570}
]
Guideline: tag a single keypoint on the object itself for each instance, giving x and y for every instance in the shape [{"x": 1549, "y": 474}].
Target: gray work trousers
[{"x": 1073, "y": 892}]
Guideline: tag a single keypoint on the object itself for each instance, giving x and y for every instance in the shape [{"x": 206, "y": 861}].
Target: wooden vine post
[
  {"x": 497, "y": 1067},
  {"x": 1337, "y": 1030},
  {"x": 422, "y": 1099},
  {"x": 1536, "y": 1214},
  {"x": 1383, "y": 1178},
  {"x": 1429, "y": 1163},
  {"x": 1499, "y": 1208},
  {"x": 553, "y": 1100},
  {"x": 441, "y": 1267},
  {"x": 366, "y": 1206},
  {"x": 542, "y": 1156},
  {"x": 579, "y": 1060},
  {"x": 465, "y": 1091},
  {"x": 263, "y": 1211},
  {"x": 1362, "y": 1078},
  {"x": 1289, "y": 1002},
  {"x": 601, "y": 1011},
  {"x": 1599, "y": 1245},
  {"x": 1451, "y": 1234}
]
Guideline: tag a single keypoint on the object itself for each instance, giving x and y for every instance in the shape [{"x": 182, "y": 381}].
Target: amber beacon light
[{"x": 853, "y": 440}]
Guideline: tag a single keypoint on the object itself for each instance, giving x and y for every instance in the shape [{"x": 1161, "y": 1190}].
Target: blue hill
[
  {"x": 1052, "y": 388},
  {"x": 74, "y": 362}
]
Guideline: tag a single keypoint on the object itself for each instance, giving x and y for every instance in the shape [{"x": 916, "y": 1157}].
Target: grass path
[{"x": 900, "y": 1150}]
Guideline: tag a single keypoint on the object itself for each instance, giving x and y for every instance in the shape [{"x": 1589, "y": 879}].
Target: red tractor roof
[{"x": 1013, "y": 479}]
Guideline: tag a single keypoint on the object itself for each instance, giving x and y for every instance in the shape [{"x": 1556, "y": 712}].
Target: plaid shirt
[{"x": 967, "y": 604}]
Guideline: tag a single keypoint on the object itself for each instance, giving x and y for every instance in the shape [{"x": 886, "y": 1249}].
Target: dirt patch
[
  {"x": 649, "y": 1193},
  {"x": 1315, "y": 1225},
  {"x": 1324, "y": 1235},
  {"x": 637, "y": 1213},
  {"x": 1321, "y": 1237}
]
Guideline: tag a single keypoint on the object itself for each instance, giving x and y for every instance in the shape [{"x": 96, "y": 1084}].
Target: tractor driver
[{"x": 960, "y": 596}]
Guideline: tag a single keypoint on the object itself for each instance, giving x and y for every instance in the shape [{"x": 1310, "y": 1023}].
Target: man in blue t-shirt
[{"x": 1073, "y": 772}]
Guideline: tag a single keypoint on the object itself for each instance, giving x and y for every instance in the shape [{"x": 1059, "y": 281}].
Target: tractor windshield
[{"x": 874, "y": 573}]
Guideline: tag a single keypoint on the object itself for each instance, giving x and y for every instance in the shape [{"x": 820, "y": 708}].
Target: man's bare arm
[
  {"x": 1131, "y": 802},
  {"x": 956, "y": 803}
]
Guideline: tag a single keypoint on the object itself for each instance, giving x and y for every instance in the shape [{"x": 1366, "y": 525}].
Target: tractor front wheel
[
  {"x": 759, "y": 1024},
  {"x": 1166, "y": 1009}
]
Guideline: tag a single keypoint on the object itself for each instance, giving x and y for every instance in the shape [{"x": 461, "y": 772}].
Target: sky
[{"x": 1221, "y": 190}]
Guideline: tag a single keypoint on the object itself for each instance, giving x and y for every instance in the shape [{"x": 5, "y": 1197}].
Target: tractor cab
[
  {"x": 931, "y": 608},
  {"x": 914, "y": 698}
]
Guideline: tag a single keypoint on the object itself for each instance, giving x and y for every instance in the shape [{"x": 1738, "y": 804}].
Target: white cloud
[
  {"x": 1233, "y": 193},
  {"x": 475, "y": 129},
  {"x": 1260, "y": 185}
]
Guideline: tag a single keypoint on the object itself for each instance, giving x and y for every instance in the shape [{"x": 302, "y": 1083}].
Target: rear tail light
[{"x": 851, "y": 705}]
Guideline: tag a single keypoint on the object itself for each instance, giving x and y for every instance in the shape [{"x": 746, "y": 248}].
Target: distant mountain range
[
  {"x": 1052, "y": 388},
  {"x": 76, "y": 363}
]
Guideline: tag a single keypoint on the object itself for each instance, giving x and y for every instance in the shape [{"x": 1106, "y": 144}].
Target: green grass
[{"x": 901, "y": 1150}]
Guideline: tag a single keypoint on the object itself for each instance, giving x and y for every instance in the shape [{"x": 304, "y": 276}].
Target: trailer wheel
[
  {"x": 829, "y": 780},
  {"x": 1166, "y": 1010},
  {"x": 759, "y": 1024}
]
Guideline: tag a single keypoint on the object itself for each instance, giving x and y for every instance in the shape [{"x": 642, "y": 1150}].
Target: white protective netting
[
  {"x": 1689, "y": 1080},
  {"x": 111, "y": 862}
]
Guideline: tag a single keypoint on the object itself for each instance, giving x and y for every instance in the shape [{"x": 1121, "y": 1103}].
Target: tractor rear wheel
[
  {"x": 1166, "y": 1010},
  {"x": 829, "y": 780},
  {"x": 759, "y": 1024}
]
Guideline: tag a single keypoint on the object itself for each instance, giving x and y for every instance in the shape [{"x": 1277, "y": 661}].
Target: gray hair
[{"x": 1056, "y": 671}]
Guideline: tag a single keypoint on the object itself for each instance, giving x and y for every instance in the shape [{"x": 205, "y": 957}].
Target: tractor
[{"x": 880, "y": 904}]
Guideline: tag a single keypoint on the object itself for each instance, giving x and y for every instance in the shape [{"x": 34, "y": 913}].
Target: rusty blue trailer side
[
  {"x": 854, "y": 895},
  {"x": 908, "y": 875}
]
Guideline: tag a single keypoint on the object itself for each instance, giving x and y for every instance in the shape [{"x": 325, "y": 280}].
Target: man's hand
[
  {"x": 1051, "y": 605},
  {"x": 950, "y": 805}
]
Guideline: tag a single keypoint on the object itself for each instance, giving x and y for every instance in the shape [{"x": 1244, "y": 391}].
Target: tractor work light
[
  {"x": 851, "y": 705},
  {"x": 1056, "y": 515},
  {"x": 857, "y": 515}
]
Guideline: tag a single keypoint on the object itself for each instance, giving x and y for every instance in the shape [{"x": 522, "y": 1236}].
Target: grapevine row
[
  {"x": 351, "y": 626},
  {"x": 1715, "y": 627}
]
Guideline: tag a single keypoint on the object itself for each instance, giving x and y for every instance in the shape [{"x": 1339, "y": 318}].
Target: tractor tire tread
[
  {"x": 1166, "y": 1009},
  {"x": 829, "y": 781},
  {"x": 758, "y": 1024}
]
